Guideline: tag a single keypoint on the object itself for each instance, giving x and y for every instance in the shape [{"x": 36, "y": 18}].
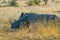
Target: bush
[
  {"x": 13, "y": 3},
  {"x": 45, "y": 1},
  {"x": 33, "y": 2}
]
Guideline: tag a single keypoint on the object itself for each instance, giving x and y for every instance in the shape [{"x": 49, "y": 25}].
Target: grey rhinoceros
[{"x": 31, "y": 18}]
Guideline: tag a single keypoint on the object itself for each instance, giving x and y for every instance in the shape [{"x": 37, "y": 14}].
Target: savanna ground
[{"x": 49, "y": 31}]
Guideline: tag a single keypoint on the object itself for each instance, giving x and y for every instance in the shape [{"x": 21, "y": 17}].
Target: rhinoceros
[{"x": 31, "y": 18}]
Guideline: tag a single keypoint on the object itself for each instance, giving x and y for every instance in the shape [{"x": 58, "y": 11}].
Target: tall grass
[{"x": 36, "y": 31}]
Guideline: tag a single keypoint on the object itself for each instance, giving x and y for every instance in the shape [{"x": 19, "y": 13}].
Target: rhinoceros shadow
[{"x": 32, "y": 18}]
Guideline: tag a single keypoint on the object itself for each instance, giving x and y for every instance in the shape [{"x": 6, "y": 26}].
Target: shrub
[
  {"x": 33, "y": 2},
  {"x": 13, "y": 3},
  {"x": 45, "y": 1}
]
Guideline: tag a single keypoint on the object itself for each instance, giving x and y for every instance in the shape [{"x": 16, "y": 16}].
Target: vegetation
[
  {"x": 50, "y": 31},
  {"x": 33, "y": 2},
  {"x": 36, "y": 31},
  {"x": 36, "y": 2},
  {"x": 45, "y": 1},
  {"x": 13, "y": 3}
]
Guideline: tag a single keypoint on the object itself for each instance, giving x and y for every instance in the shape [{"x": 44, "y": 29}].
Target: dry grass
[{"x": 37, "y": 31}]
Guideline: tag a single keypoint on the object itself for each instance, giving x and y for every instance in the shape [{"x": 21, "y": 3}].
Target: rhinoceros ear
[{"x": 22, "y": 13}]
